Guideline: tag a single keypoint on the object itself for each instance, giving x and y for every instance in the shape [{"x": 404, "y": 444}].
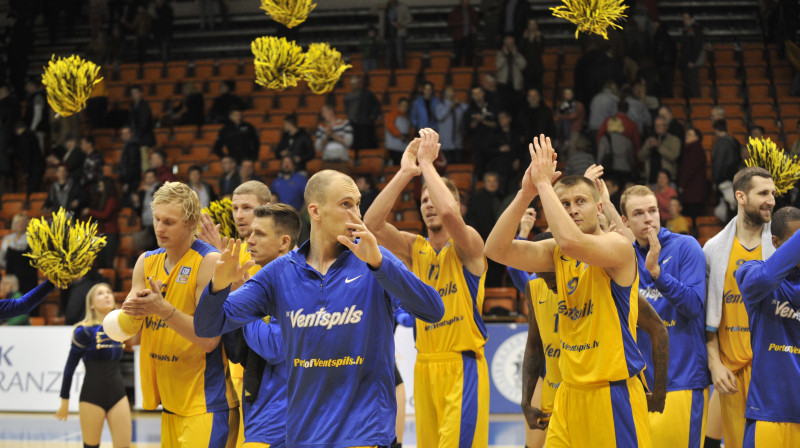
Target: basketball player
[
  {"x": 598, "y": 283},
  {"x": 672, "y": 280},
  {"x": 184, "y": 373},
  {"x": 746, "y": 237},
  {"x": 451, "y": 377},
  {"x": 771, "y": 292},
  {"x": 332, "y": 296}
]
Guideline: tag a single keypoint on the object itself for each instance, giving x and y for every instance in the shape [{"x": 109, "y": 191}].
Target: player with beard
[{"x": 746, "y": 237}]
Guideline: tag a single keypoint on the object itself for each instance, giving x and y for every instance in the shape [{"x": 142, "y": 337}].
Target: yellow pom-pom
[
  {"x": 324, "y": 67},
  {"x": 592, "y": 16},
  {"x": 279, "y": 63},
  {"x": 62, "y": 249},
  {"x": 288, "y": 12},
  {"x": 69, "y": 82},
  {"x": 221, "y": 212},
  {"x": 765, "y": 153}
]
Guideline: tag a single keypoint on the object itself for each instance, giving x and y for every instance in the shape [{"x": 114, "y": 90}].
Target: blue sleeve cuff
[{"x": 711, "y": 329}]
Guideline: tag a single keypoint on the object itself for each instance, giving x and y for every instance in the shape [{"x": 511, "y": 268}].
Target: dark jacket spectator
[
  {"x": 531, "y": 46},
  {"x": 463, "y": 22},
  {"x": 480, "y": 122},
  {"x": 535, "y": 117},
  {"x": 205, "y": 192},
  {"x": 141, "y": 119},
  {"x": 230, "y": 178},
  {"x": 362, "y": 109},
  {"x": 36, "y": 115},
  {"x": 665, "y": 55},
  {"x": 692, "y": 183},
  {"x": 31, "y": 158},
  {"x": 726, "y": 156},
  {"x": 224, "y": 103},
  {"x": 104, "y": 209},
  {"x": 239, "y": 139},
  {"x": 593, "y": 71},
  {"x": 189, "y": 110},
  {"x": 130, "y": 163},
  {"x": 64, "y": 193},
  {"x": 295, "y": 142}
]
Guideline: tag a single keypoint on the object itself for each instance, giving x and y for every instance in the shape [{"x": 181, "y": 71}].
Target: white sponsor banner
[
  {"x": 32, "y": 363},
  {"x": 406, "y": 355}
]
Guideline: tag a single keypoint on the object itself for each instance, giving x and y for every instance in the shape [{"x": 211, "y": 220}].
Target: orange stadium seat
[
  {"x": 500, "y": 298},
  {"x": 440, "y": 60}
]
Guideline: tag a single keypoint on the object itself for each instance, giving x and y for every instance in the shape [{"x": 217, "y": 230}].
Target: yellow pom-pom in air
[
  {"x": 765, "y": 153},
  {"x": 279, "y": 63},
  {"x": 592, "y": 16},
  {"x": 288, "y": 12},
  {"x": 221, "y": 212},
  {"x": 62, "y": 249},
  {"x": 324, "y": 67},
  {"x": 69, "y": 82}
]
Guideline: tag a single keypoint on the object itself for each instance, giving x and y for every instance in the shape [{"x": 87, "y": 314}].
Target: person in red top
[
  {"x": 664, "y": 192},
  {"x": 631, "y": 129},
  {"x": 158, "y": 162},
  {"x": 398, "y": 130},
  {"x": 104, "y": 209}
]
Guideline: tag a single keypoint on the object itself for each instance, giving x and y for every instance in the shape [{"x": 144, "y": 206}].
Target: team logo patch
[
  {"x": 183, "y": 275},
  {"x": 506, "y": 368}
]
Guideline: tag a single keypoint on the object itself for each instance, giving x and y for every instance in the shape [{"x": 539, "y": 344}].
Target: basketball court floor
[{"x": 34, "y": 430}]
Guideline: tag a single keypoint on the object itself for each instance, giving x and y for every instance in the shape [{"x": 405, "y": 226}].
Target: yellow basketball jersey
[
  {"x": 462, "y": 328},
  {"x": 176, "y": 373},
  {"x": 734, "y": 327},
  {"x": 545, "y": 304},
  {"x": 597, "y": 324}
]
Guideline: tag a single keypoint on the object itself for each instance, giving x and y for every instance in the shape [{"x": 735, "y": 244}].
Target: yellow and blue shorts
[
  {"x": 611, "y": 415},
  {"x": 451, "y": 400},
  {"x": 212, "y": 430},
  {"x": 760, "y": 434},
  {"x": 732, "y": 409},
  {"x": 683, "y": 422}
]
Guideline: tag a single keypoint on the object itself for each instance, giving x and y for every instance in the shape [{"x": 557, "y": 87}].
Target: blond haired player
[{"x": 182, "y": 372}]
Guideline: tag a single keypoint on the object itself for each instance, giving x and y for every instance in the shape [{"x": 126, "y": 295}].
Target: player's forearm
[
  {"x": 209, "y": 316},
  {"x": 440, "y": 195},
  {"x": 420, "y": 300},
  {"x": 712, "y": 348},
  {"x": 564, "y": 230},
  {"x": 532, "y": 362},
  {"x": 183, "y": 324},
  {"x": 266, "y": 340},
  {"x": 659, "y": 339},
  {"x": 685, "y": 297},
  {"x": 502, "y": 235},
  {"x": 613, "y": 216},
  {"x": 26, "y": 303},
  {"x": 757, "y": 279},
  {"x": 376, "y": 215}
]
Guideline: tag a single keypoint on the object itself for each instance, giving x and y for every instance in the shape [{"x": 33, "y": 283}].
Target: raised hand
[
  {"x": 210, "y": 232},
  {"x": 409, "y": 161},
  {"x": 228, "y": 270},
  {"x": 366, "y": 249},
  {"x": 594, "y": 172},
  {"x": 543, "y": 161},
  {"x": 651, "y": 261},
  {"x": 527, "y": 222},
  {"x": 429, "y": 145}
]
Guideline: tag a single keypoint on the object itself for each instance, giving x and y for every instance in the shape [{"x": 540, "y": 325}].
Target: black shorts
[
  {"x": 102, "y": 385},
  {"x": 398, "y": 380}
]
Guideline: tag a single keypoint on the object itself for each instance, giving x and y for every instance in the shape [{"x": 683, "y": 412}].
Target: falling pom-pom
[
  {"x": 765, "y": 153},
  {"x": 69, "y": 82},
  {"x": 62, "y": 249},
  {"x": 288, "y": 12},
  {"x": 221, "y": 212},
  {"x": 279, "y": 63},
  {"x": 592, "y": 16},
  {"x": 324, "y": 67},
  {"x": 113, "y": 329}
]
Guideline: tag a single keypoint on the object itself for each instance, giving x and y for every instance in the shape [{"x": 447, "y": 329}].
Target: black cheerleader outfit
[{"x": 102, "y": 384}]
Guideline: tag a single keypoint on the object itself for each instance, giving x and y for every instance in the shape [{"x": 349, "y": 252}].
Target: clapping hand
[
  {"x": 228, "y": 270},
  {"x": 429, "y": 145},
  {"x": 366, "y": 249}
]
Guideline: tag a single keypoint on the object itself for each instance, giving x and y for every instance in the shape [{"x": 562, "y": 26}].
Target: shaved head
[{"x": 316, "y": 188}]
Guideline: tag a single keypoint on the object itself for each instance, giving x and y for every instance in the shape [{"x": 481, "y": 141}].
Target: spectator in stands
[
  {"x": 664, "y": 192},
  {"x": 37, "y": 113},
  {"x": 693, "y": 56},
  {"x": 62, "y": 128},
  {"x": 660, "y": 151},
  {"x": 637, "y": 112},
  {"x": 162, "y": 26},
  {"x": 393, "y": 21},
  {"x": 104, "y": 210},
  {"x": 141, "y": 119},
  {"x": 532, "y": 48},
  {"x": 491, "y": 15},
  {"x": 665, "y": 55},
  {"x": 290, "y": 185},
  {"x": 238, "y": 138},
  {"x": 158, "y": 163},
  {"x": 674, "y": 126},
  {"x": 423, "y": 110},
  {"x": 677, "y": 223},
  {"x": 510, "y": 152},
  {"x": 499, "y": 97},
  {"x": 594, "y": 70},
  {"x": 145, "y": 239},
  {"x": 204, "y": 191},
  {"x": 224, "y": 103},
  {"x": 247, "y": 171},
  {"x": 481, "y": 126},
  {"x": 9, "y": 289},
  {"x": 230, "y": 177},
  {"x": 726, "y": 157},
  {"x": 450, "y": 115},
  {"x": 370, "y": 47},
  {"x": 514, "y": 19},
  {"x": 13, "y": 247},
  {"x": 207, "y": 13},
  {"x": 463, "y": 22},
  {"x": 369, "y": 191},
  {"x": 483, "y": 209},
  {"x": 295, "y": 142},
  {"x": 64, "y": 193},
  {"x": 630, "y": 129},
  {"x": 717, "y": 113},
  {"x": 603, "y": 105},
  {"x": 692, "y": 183},
  {"x": 362, "y": 109},
  {"x": 535, "y": 117},
  {"x": 795, "y": 149},
  {"x": 757, "y": 131},
  {"x": 398, "y": 131},
  {"x": 71, "y": 156},
  {"x": 189, "y": 109},
  {"x": 615, "y": 150},
  {"x": 31, "y": 158},
  {"x": 334, "y": 136},
  {"x": 141, "y": 26},
  {"x": 510, "y": 63},
  {"x": 130, "y": 162},
  {"x": 651, "y": 102},
  {"x": 569, "y": 119}
]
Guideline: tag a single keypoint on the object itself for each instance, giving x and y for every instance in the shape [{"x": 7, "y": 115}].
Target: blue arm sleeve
[
  {"x": 758, "y": 279},
  {"x": 419, "y": 299},
  {"x": 519, "y": 278},
  {"x": 26, "y": 303},
  {"x": 225, "y": 311},
  {"x": 687, "y": 295},
  {"x": 80, "y": 342},
  {"x": 266, "y": 340}
]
